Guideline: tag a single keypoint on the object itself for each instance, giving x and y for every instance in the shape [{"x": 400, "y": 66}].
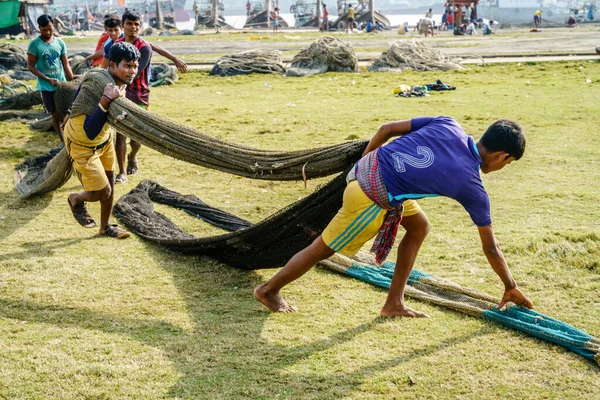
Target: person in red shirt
[
  {"x": 138, "y": 91},
  {"x": 98, "y": 55}
]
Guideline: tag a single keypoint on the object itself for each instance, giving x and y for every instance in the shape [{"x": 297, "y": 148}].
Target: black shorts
[
  {"x": 350, "y": 20},
  {"x": 48, "y": 101}
]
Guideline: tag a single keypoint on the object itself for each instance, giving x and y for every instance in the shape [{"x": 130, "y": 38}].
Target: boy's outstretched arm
[
  {"x": 498, "y": 263},
  {"x": 386, "y": 132}
]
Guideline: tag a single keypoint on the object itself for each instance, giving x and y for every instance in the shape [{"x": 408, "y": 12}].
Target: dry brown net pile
[
  {"x": 413, "y": 55},
  {"x": 249, "y": 62},
  {"x": 324, "y": 54}
]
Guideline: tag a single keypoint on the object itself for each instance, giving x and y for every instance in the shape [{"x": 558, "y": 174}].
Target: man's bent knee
[
  {"x": 416, "y": 225},
  {"x": 105, "y": 193}
]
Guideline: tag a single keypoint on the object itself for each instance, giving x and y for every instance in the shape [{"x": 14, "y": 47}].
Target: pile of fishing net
[
  {"x": 414, "y": 55},
  {"x": 249, "y": 62},
  {"x": 272, "y": 242},
  {"x": 163, "y": 74},
  {"x": 324, "y": 54},
  {"x": 78, "y": 64},
  {"x": 13, "y": 62}
]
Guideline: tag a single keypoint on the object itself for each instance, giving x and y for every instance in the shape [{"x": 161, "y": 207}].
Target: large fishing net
[
  {"x": 272, "y": 242},
  {"x": 413, "y": 55},
  {"x": 189, "y": 145},
  {"x": 249, "y": 62},
  {"x": 324, "y": 54}
]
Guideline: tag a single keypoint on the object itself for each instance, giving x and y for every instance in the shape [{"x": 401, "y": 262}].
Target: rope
[
  {"x": 324, "y": 54},
  {"x": 248, "y": 62},
  {"x": 411, "y": 54}
]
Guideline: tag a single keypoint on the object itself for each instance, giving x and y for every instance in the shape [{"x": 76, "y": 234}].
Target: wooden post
[
  {"x": 215, "y": 14},
  {"x": 269, "y": 23},
  {"x": 319, "y": 9},
  {"x": 159, "y": 17},
  {"x": 27, "y": 31},
  {"x": 372, "y": 12},
  {"x": 173, "y": 13}
]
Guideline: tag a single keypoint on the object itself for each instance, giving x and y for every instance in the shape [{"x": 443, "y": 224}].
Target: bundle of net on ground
[
  {"x": 270, "y": 243},
  {"x": 413, "y": 55},
  {"x": 13, "y": 62},
  {"x": 187, "y": 144},
  {"x": 249, "y": 62},
  {"x": 324, "y": 54},
  {"x": 163, "y": 74}
]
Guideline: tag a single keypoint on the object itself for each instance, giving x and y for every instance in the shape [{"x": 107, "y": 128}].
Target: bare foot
[
  {"x": 401, "y": 311},
  {"x": 275, "y": 302}
]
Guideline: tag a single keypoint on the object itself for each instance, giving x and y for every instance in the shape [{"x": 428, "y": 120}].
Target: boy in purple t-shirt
[{"x": 432, "y": 157}]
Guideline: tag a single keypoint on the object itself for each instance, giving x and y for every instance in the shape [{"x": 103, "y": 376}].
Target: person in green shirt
[{"x": 47, "y": 59}]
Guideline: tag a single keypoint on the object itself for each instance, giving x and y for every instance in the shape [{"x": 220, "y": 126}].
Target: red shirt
[
  {"x": 139, "y": 90},
  {"x": 103, "y": 38}
]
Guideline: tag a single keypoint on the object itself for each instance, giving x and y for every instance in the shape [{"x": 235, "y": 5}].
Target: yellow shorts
[
  {"x": 91, "y": 164},
  {"x": 358, "y": 221}
]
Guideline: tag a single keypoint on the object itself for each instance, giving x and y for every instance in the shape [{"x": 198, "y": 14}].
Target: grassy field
[{"x": 86, "y": 317}]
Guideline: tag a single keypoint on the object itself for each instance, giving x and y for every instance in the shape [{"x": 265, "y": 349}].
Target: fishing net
[
  {"x": 21, "y": 101},
  {"x": 324, "y": 54},
  {"x": 268, "y": 244},
  {"x": 249, "y": 62},
  {"x": 78, "y": 64},
  {"x": 163, "y": 74},
  {"x": 12, "y": 57},
  {"x": 189, "y": 145},
  {"x": 414, "y": 55},
  {"x": 21, "y": 116}
]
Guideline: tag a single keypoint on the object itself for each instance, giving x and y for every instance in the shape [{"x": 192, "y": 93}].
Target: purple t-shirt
[{"x": 436, "y": 159}]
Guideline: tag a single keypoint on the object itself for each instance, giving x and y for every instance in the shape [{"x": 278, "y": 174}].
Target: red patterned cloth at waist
[{"x": 370, "y": 180}]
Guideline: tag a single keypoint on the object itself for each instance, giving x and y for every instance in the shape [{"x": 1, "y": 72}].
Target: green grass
[{"x": 95, "y": 318}]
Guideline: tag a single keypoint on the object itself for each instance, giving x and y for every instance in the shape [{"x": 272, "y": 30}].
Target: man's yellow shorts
[
  {"x": 358, "y": 221},
  {"x": 91, "y": 164}
]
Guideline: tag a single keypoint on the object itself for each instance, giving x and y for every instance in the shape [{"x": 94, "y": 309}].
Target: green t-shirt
[{"x": 48, "y": 60}]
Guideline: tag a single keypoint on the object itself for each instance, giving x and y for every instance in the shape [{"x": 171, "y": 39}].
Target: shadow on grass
[
  {"x": 17, "y": 213},
  {"x": 41, "y": 248},
  {"x": 226, "y": 355}
]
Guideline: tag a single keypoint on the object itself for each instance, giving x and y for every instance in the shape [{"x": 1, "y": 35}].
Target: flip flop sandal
[
  {"x": 121, "y": 178},
  {"x": 132, "y": 167},
  {"x": 115, "y": 231},
  {"x": 81, "y": 214}
]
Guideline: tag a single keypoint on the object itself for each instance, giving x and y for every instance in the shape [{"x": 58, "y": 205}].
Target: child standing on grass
[
  {"x": 431, "y": 157},
  {"x": 47, "y": 59},
  {"x": 139, "y": 90}
]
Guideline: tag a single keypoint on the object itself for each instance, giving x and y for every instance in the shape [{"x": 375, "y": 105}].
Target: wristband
[
  {"x": 107, "y": 97},
  {"x": 102, "y": 108}
]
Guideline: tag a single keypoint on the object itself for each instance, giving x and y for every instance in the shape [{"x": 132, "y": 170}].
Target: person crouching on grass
[
  {"x": 89, "y": 142},
  {"x": 432, "y": 157}
]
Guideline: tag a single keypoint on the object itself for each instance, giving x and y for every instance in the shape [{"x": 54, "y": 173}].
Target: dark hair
[
  {"x": 505, "y": 135},
  {"x": 123, "y": 51},
  {"x": 44, "y": 20},
  {"x": 131, "y": 15},
  {"x": 112, "y": 21}
]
